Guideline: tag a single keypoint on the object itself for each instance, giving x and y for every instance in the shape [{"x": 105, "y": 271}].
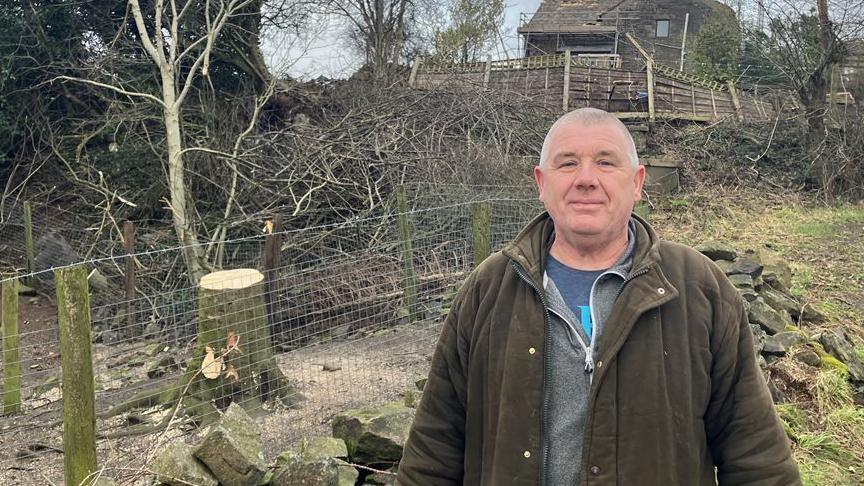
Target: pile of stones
[
  {"x": 780, "y": 321},
  {"x": 364, "y": 449}
]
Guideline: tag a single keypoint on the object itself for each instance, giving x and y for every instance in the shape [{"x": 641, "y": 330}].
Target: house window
[{"x": 662, "y": 28}]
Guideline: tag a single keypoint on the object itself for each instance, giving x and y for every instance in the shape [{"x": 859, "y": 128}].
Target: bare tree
[
  {"x": 379, "y": 28},
  {"x": 805, "y": 40},
  {"x": 180, "y": 37}
]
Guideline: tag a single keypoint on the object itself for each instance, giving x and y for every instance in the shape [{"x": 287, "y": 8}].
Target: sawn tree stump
[{"x": 234, "y": 348}]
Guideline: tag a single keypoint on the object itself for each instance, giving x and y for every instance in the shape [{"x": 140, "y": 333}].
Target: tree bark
[
  {"x": 192, "y": 254},
  {"x": 231, "y": 303}
]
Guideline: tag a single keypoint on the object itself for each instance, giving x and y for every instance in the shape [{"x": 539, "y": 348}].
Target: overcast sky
[{"x": 323, "y": 52}]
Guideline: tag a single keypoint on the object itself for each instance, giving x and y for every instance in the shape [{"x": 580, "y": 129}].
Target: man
[{"x": 588, "y": 351}]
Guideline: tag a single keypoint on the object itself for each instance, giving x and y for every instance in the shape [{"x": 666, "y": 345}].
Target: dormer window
[{"x": 662, "y": 29}]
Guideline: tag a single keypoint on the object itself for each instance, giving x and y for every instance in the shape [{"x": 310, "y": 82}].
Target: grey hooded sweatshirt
[{"x": 569, "y": 368}]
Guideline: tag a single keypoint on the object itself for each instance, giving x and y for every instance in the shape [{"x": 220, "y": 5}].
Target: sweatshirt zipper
[
  {"x": 589, "y": 363},
  {"x": 546, "y": 345}
]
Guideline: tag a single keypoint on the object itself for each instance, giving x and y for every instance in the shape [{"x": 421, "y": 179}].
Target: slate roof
[
  {"x": 590, "y": 16},
  {"x": 567, "y": 16}
]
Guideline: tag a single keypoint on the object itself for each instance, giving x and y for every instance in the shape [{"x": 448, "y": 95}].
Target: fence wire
[{"x": 334, "y": 326}]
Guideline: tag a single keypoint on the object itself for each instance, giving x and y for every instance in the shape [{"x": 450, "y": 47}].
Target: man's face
[{"x": 588, "y": 183}]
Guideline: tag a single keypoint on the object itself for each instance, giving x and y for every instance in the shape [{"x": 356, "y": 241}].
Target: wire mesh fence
[{"x": 339, "y": 316}]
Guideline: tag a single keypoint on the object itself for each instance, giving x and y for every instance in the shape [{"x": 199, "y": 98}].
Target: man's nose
[{"x": 586, "y": 176}]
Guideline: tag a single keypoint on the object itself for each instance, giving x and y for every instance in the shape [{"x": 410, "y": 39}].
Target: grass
[
  {"x": 814, "y": 229},
  {"x": 833, "y": 390},
  {"x": 824, "y": 246}
]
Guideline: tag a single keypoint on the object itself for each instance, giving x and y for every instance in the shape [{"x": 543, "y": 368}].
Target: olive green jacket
[{"x": 676, "y": 390}]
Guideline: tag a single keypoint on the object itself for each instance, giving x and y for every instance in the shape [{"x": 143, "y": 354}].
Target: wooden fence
[{"x": 563, "y": 82}]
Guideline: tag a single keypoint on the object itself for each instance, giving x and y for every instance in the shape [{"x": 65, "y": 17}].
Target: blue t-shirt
[{"x": 575, "y": 287}]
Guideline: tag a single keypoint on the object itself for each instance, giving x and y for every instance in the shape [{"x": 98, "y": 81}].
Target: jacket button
[
  {"x": 531, "y": 350},
  {"x": 661, "y": 291},
  {"x": 599, "y": 364},
  {"x": 595, "y": 470},
  {"x": 527, "y": 454}
]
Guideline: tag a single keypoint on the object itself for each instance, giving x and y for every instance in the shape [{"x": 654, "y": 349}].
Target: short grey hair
[{"x": 590, "y": 116}]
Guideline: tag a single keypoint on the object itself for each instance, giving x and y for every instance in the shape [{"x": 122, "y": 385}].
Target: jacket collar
[{"x": 531, "y": 246}]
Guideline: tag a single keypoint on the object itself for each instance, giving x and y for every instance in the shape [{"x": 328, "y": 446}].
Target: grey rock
[
  {"x": 749, "y": 295},
  {"x": 758, "y": 337},
  {"x": 746, "y": 265},
  {"x": 780, "y": 343},
  {"x": 809, "y": 357},
  {"x": 780, "y": 301},
  {"x": 725, "y": 266},
  {"x": 382, "y": 479},
  {"x": 741, "y": 281},
  {"x": 176, "y": 465},
  {"x": 811, "y": 315},
  {"x": 374, "y": 435},
  {"x": 323, "y": 448},
  {"x": 777, "y": 273},
  {"x": 717, "y": 251},
  {"x": 232, "y": 449},
  {"x": 838, "y": 344},
  {"x": 293, "y": 469},
  {"x": 769, "y": 319}
]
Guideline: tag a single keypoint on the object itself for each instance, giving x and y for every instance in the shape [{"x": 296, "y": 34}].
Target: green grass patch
[
  {"x": 848, "y": 419},
  {"x": 802, "y": 278},
  {"x": 823, "y": 446},
  {"x": 833, "y": 390},
  {"x": 831, "y": 363},
  {"x": 793, "y": 418},
  {"x": 816, "y": 471},
  {"x": 814, "y": 229}
]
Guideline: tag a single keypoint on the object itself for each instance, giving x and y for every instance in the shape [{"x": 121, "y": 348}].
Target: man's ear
[
  {"x": 638, "y": 182},
  {"x": 538, "y": 178}
]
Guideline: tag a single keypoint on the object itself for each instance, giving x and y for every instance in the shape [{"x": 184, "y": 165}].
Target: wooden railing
[{"x": 690, "y": 78}]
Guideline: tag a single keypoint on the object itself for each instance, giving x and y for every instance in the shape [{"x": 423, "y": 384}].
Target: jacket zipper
[
  {"x": 547, "y": 342},
  {"x": 630, "y": 277}
]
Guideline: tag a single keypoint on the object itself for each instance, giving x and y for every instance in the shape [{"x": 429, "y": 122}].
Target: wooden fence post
[
  {"x": 410, "y": 278},
  {"x": 79, "y": 413},
  {"x": 649, "y": 69},
  {"x": 487, "y": 73},
  {"x": 733, "y": 93},
  {"x": 11, "y": 361},
  {"x": 412, "y": 78},
  {"x": 565, "y": 100},
  {"x": 272, "y": 261},
  {"x": 129, "y": 247},
  {"x": 649, "y": 66},
  {"x": 481, "y": 226},
  {"x": 28, "y": 243}
]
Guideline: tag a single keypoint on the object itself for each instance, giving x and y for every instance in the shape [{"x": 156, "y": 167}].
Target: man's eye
[{"x": 605, "y": 162}]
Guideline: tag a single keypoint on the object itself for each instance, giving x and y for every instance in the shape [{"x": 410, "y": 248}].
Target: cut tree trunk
[{"x": 234, "y": 353}]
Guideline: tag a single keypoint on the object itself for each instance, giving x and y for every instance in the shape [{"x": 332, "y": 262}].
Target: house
[
  {"x": 852, "y": 68},
  {"x": 594, "y": 30}
]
